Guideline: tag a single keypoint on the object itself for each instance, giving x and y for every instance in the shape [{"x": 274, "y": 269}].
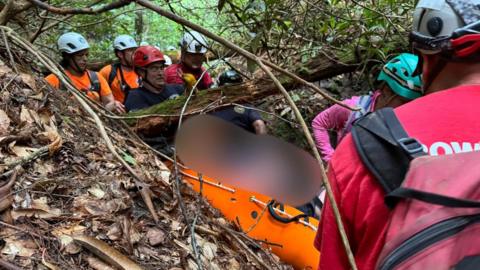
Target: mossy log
[{"x": 167, "y": 113}]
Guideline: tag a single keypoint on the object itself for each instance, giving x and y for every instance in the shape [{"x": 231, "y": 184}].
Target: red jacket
[
  {"x": 172, "y": 77},
  {"x": 445, "y": 122}
]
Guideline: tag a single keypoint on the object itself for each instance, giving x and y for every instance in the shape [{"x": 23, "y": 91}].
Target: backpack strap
[
  {"x": 364, "y": 103},
  {"x": 408, "y": 193},
  {"x": 113, "y": 72},
  {"x": 385, "y": 148},
  {"x": 94, "y": 81}
]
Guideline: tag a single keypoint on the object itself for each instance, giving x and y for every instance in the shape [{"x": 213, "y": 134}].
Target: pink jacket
[{"x": 334, "y": 118}]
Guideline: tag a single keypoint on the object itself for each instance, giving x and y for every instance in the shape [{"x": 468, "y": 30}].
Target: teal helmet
[{"x": 398, "y": 74}]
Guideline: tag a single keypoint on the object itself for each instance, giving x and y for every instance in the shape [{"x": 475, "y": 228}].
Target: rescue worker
[
  {"x": 120, "y": 76},
  {"x": 245, "y": 117},
  {"x": 193, "y": 49},
  {"x": 74, "y": 48},
  {"x": 173, "y": 53},
  {"x": 149, "y": 65},
  {"x": 446, "y": 34},
  {"x": 399, "y": 86}
]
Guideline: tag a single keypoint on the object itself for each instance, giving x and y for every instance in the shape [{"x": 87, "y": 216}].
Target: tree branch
[{"x": 87, "y": 10}]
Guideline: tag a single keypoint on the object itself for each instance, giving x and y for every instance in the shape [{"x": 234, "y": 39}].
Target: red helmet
[{"x": 146, "y": 55}]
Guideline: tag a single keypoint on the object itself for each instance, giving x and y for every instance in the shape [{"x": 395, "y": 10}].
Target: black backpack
[{"x": 385, "y": 149}]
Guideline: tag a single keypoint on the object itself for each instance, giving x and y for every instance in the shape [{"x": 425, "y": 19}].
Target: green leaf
[
  {"x": 296, "y": 97},
  {"x": 129, "y": 159}
]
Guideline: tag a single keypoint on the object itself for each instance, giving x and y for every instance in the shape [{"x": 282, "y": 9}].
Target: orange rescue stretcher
[{"x": 272, "y": 224}]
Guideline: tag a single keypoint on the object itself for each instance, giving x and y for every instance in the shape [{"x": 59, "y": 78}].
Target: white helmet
[
  {"x": 168, "y": 60},
  {"x": 124, "y": 42},
  {"x": 193, "y": 42},
  {"x": 71, "y": 43},
  {"x": 438, "y": 26}
]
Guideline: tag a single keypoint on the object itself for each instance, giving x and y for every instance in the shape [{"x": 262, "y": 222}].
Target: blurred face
[
  {"x": 126, "y": 57},
  {"x": 193, "y": 60},
  {"x": 79, "y": 60},
  {"x": 154, "y": 75}
]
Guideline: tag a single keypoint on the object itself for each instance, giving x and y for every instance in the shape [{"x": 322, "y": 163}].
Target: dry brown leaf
[
  {"x": 40, "y": 203},
  {"x": 43, "y": 168},
  {"x": 106, "y": 252},
  {"x": 209, "y": 251},
  {"x": 175, "y": 225},
  {"x": 28, "y": 80},
  {"x": 95, "y": 208},
  {"x": 4, "y": 123},
  {"x": 96, "y": 192},
  {"x": 38, "y": 96},
  {"x": 233, "y": 264},
  {"x": 97, "y": 264},
  {"x": 192, "y": 265},
  {"x": 75, "y": 229},
  {"x": 28, "y": 116},
  {"x": 4, "y": 69},
  {"x": 18, "y": 247},
  {"x": 114, "y": 232},
  {"x": 105, "y": 207},
  {"x": 155, "y": 236},
  {"x": 37, "y": 213},
  {"x": 5, "y": 202},
  {"x": 22, "y": 151}
]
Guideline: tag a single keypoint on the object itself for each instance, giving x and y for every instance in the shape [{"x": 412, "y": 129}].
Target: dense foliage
[{"x": 284, "y": 31}]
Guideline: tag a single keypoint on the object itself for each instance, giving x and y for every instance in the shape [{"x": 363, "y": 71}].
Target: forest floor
[{"x": 67, "y": 203}]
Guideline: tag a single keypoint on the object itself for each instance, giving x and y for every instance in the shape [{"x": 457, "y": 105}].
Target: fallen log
[{"x": 153, "y": 120}]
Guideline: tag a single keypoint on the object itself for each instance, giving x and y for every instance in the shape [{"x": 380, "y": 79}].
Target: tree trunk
[
  {"x": 318, "y": 68},
  {"x": 139, "y": 25},
  {"x": 12, "y": 8}
]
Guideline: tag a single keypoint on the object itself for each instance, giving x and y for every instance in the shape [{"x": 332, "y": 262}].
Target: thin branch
[
  {"x": 12, "y": 61},
  {"x": 8, "y": 266},
  {"x": 39, "y": 30},
  {"x": 107, "y": 19},
  {"x": 87, "y": 10}
]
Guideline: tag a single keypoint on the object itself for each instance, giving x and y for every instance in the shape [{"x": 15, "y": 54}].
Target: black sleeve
[
  {"x": 135, "y": 101},
  {"x": 253, "y": 115}
]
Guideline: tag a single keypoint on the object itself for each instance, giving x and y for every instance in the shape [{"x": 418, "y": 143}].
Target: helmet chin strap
[
  {"x": 75, "y": 66},
  {"x": 126, "y": 64},
  {"x": 434, "y": 72},
  {"x": 145, "y": 80}
]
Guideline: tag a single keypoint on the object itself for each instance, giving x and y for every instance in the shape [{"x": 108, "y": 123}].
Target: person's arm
[
  {"x": 260, "y": 127},
  {"x": 334, "y": 118},
  {"x": 107, "y": 99},
  {"x": 256, "y": 121},
  {"x": 105, "y": 71},
  {"x": 206, "y": 82}
]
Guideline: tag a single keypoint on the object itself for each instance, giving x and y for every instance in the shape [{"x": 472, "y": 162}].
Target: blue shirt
[
  {"x": 142, "y": 98},
  {"x": 240, "y": 116}
]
